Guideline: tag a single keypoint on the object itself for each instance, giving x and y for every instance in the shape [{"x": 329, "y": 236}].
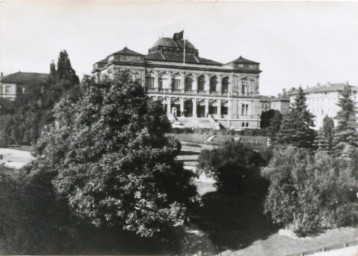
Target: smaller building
[
  {"x": 280, "y": 103},
  {"x": 13, "y": 84},
  {"x": 322, "y": 100}
]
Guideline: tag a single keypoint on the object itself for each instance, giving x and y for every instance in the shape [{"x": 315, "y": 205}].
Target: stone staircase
[
  {"x": 213, "y": 122},
  {"x": 174, "y": 121}
]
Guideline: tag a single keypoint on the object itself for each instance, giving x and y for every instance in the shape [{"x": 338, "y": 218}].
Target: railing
[{"x": 326, "y": 248}]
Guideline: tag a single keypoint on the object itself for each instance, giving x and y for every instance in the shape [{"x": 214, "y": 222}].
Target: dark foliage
[
  {"x": 112, "y": 161},
  {"x": 296, "y": 125},
  {"x": 311, "y": 192},
  {"x": 267, "y": 117},
  {"x": 22, "y": 120},
  {"x": 235, "y": 168}
]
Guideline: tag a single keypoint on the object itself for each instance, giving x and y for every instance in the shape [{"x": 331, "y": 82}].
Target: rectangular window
[
  {"x": 213, "y": 110},
  {"x": 224, "y": 110},
  {"x": 244, "y": 109},
  {"x": 7, "y": 89}
]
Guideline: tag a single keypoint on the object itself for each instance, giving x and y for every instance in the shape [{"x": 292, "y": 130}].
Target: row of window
[{"x": 188, "y": 83}]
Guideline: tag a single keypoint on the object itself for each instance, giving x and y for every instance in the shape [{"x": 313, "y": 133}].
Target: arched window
[
  {"x": 149, "y": 81},
  {"x": 225, "y": 85},
  {"x": 213, "y": 83},
  {"x": 163, "y": 81},
  {"x": 176, "y": 82},
  {"x": 201, "y": 83},
  {"x": 189, "y": 83}
]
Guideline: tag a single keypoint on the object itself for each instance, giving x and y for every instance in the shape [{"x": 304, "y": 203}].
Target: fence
[{"x": 326, "y": 248}]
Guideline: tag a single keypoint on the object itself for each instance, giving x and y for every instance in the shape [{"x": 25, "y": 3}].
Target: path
[{"x": 14, "y": 158}]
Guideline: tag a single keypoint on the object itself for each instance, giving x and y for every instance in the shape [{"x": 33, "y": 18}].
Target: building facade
[
  {"x": 322, "y": 101},
  {"x": 195, "y": 91},
  {"x": 13, "y": 84}
]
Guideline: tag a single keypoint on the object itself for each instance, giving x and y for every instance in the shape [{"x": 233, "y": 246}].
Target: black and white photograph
[{"x": 226, "y": 128}]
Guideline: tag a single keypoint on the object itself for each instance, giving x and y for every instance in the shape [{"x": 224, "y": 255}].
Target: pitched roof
[
  {"x": 242, "y": 60},
  {"x": 329, "y": 88},
  {"x": 167, "y": 57},
  {"x": 126, "y": 51},
  {"x": 25, "y": 77}
]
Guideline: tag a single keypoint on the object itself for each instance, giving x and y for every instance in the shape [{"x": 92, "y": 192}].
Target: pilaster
[
  {"x": 206, "y": 107},
  {"x": 194, "y": 108}
]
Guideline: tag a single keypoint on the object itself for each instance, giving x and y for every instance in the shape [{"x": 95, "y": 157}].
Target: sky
[{"x": 296, "y": 43}]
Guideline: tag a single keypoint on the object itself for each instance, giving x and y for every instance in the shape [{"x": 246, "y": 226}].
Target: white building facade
[
  {"x": 322, "y": 101},
  {"x": 196, "y": 92}
]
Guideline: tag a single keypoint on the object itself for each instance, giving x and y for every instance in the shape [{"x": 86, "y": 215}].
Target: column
[
  {"x": 181, "y": 106},
  {"x": 195, "y": 83},
  {"x": 219, "y": 85},
  {"x": 156, "y": 81},
  {"x": 232, "y": 88},
  {"x": 194, "y": 108},
  {"x": 229, "y": 106},
  {"x": 206, "y": 107},
  {"x": 169, "y": 105},
  {"x": 170, "y": 85},
  {"x": 218, "y": 102},
  {"x": 182, "y": 82}
]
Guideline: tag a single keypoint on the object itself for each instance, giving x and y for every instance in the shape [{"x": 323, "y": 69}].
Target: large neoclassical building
[{"x": 196, "y": 92}]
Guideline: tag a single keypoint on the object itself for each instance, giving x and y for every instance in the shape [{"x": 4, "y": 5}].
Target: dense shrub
[
  {"x": 33, "y": 219},
  {"x": 310, "y": 192},
  {"x": 236, "y": 168}
]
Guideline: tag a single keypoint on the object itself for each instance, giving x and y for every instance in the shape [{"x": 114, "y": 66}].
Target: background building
[
  {"x": 322, "y": 100},
  {"x": 13, "y": 84},
  {"x": 196, "y": 92}
]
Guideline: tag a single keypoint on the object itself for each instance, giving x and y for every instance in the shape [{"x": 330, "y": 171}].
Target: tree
[
  {"x": 310, "y": 192},
  {"x": 23, "y": 119},
  {"x": 346, "y": 116},
  {"x": 275, "y": 124},
  {"x": 65, "y": 70},
  {"x": 267, "y": 117},
  {"x": 324, "y": 139},
  {"x": 112, "y": 161},
  {"x": 295, "y": 127},
  {"x": 346, "y": 130},
  {"x": 234, "y": 167}
]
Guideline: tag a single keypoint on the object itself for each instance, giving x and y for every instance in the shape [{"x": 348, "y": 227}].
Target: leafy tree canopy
[
  {"x": 234, "y": 167},
  {"x": 112, "y": 160}
]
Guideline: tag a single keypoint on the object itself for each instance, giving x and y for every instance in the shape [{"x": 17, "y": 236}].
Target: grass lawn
[
  {"x": 278, "y": 245},
  {"x": 237, "y": 226}
]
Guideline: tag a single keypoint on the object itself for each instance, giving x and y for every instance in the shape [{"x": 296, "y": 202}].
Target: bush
[
  {"x": 235, "y": 168},
  {"x": 33, "y": 219},
  {"x": 308, "y": 191}
]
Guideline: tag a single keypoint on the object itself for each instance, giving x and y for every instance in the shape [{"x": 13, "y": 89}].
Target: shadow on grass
[
  {"x": 188, "y": 153},
  {"x": 233, "y": 222}
]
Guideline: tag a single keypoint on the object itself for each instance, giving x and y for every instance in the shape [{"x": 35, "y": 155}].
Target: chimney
[{"x": 2, "y": 74}]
